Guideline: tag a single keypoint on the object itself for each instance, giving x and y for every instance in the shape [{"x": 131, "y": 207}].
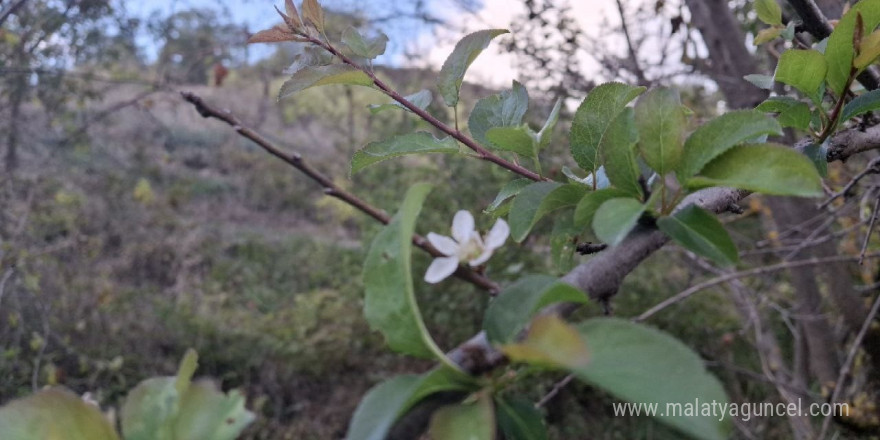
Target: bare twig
[
  {"x": 555, "y": 390},
  {"x": 872, "y": 168},
  {"x": 745, "y": 273},
  {"x": 870, "y": 230},
  {"x": 847, "y": 365},
  {"x": 330, "y": 188}
]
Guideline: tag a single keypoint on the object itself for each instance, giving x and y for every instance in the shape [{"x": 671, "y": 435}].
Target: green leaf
[
  {"x": 618, "y": 153},
  {"x": 314, "y": 14},
  {"x": 592, "y": 119},
  {"x": 790, "y": 111},
  {"x": 519, "y": 420},
  {"x": 550, "y": 343},
  {"x": 661, "y": 126},
  {"x": 505, "y": 109},
  {"x": 314, "y": 76},
  {"x": 387, "y": 401},
  {"x": 421, "y": 99},
  {"x": 802, "y": 69},
  {"x": 764, "y": 82},
  {"x": 390, "y": 303},
  {"x": 470, "y": 420},
  {"x": 367, "y": 47},
  {"x": 546, "y": 133},
  {"x": 642, "y": 365},
  {"x": 509, "y": 190},
  {"x": 615, "y": 218},
  {"x": 175, "y": 408},
  {"x": 53, "y": 414},
  {"x": 764, "y": 168},
  {"x": 509, "y": 313},
  {"x": 538, "y": 199},
  {"x": 563, "y": 242},
  {"x": 862, "y": 104},
  {"x": 412, "y": 143},
  {"x": 519, "y": 140},
  {"x": 149, "y": 409},
  {"x": 839, "y": 51},
  {"x": 590, "y": 203},
  {"x": 818, "y": 155},
  {"x": 700, "y": 231},
  {"x": 769, "y": 12},
  {"x": 456, "y": 65},
  {"x": 206, "y": 413},
  {"x": 720, "y": 134}
]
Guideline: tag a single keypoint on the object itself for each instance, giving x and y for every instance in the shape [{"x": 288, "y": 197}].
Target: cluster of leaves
[
  {"x": 821, "y": 74},
  {"x": 157, "y": 409}
]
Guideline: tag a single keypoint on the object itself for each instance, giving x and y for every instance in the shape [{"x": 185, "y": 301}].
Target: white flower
[{"x": 464, "y": 245}]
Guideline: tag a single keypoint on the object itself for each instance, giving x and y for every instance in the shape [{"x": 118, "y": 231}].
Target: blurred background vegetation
[{"x": 132, "y": 229}]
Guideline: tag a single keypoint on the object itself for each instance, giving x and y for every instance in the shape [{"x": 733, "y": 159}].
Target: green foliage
[
  {"x": 505, "y": 109},
  {"x": 519, "y": 420},
  {"x": 592, "y": 119},
  {"x": 314, "y": 76},
  {"x": 626, "y": 359},
  {"x": 700, "y": 231},
  {"x": 839, "y": 52},
  {"x": 473, "y": 419},
  {"x": 511, "y": 189},
  {"x": 421, "y": 99},
  {"x": 161, "y": 408},
  {"x": 769, "y": 11},
  {"x": 661, "y": 126},
  {"x": 367, "y": 47},
  {"x": 720, "y": 134},
  {"x": 550, "y": 343},
  {"x": 390, "y": 302},
  {"x": 790, "y": 112},
  {"x": 804, "y": 70},
  {"x": 54, "y": 413},
  {"x": 414, "y": 143},
  {"x": 388, "y": 400},
  {"x": 537, "y": 200},
  {"x": 615, "y": 218},
  {"x": 517, "y": 140},
  {"x": 766, "y": 168},
  {"x": 862, "y": 104},
  {"x": 619, "y": 156},
  {"x": 456, "y": 65},
  {"x": 587, "y": 206},
  {"x": 510, "y": 312}
]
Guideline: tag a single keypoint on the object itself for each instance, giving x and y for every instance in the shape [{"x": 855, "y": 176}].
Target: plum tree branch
[
  {"x": 482, "y": 152},
  {"x": 330, "y": 188}
]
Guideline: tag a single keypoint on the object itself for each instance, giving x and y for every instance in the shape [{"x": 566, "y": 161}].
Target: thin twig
[
  {"x": 870, "y": 230},
  {"x": 482, "y": 152},
  {"x": 745, "y": 273},
  {"x": 872, "y": 168},
  {"x": 330, "y": 188},
  {"x": 555, "y": 390},
  {"x": 850, "y": 357}
]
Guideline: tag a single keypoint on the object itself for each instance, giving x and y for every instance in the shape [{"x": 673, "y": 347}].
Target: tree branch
[{"x": 330, "y": 188}]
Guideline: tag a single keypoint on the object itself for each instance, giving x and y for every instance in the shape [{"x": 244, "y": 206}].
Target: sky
[{"x": 492, "y": 67}]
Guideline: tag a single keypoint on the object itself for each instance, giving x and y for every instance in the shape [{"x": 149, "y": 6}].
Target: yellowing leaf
[
  {"x": 551, "y": 342},
  {"x": 870, "y": 50},
  {"x": 768, "y": 34}
]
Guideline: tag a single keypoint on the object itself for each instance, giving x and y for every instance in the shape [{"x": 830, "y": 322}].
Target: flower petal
[
  {"x": 462, "y": 226},
  {"x": 441, "y": 268},
  {"x": 444, "y": 244},
  {"x": 497, "y": 235},
  {"x": 484, "y": 257}
]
